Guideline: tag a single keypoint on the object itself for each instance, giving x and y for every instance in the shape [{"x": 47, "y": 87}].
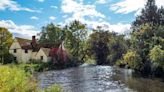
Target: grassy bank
[{"x": 15, "y": 79}]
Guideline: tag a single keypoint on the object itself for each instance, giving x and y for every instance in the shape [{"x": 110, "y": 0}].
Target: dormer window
[
  {"x": 15, "y": 50},
  {"x": 26, "y": 51}
]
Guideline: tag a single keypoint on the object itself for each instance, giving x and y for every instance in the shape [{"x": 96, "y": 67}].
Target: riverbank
[{"x": 15, "y": 79}]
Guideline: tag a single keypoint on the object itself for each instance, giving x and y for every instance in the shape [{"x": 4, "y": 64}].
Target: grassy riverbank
[{"x": 16, "y": 79}]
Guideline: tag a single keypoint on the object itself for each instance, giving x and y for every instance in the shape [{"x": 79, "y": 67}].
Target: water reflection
[{"x": 99, "y": 79}]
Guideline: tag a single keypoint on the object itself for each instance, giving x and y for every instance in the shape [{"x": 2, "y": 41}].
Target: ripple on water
[{"x": 92, "y": 79}]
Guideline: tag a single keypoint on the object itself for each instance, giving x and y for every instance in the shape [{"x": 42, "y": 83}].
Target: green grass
[{"x": 16, "y": 79}]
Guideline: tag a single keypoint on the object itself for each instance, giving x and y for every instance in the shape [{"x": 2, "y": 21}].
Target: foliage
[
  {"x": 120, "y": 63},
  {"x": 132, "y": 59},
  {"x": 99, "y": 46},
  {"x": 147, "y": 35},
  {"x": 5, "y": 42},
  {"x": 13, "y": 79},
  {"x": 75, "y": 41},
  {"x": 118, "y": 46},
  {"x": 107, "y": 47},
  {"x": 73, "y": 35},
  {"x": 8, "y": 58},
  {"x": 150, "y": 14},
  {"x": 54, "y": 88},
  {"x": 157, "y": 55},
  {"x": 51, "y": 35}
]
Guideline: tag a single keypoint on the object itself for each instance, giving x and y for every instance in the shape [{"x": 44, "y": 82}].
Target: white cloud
[
  {"x": 52, "y": 18},
  {"x": 101, "y": 1},
  {"x": 79, "y": 10},
  {"x": 128, "y": 6},
  {"x": 40, "y": 0},
  {"x": 34, "y": 18},
  {"x": 25, "y": 31},
  {"x": 119, "y": 27},
  {"x": 55, "y": 7},
  {"x": 14, "y": 6},
  {"x": 65, "y": 16}
]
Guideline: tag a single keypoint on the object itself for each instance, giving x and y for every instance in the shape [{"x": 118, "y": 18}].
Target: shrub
[
  {"x": 157, "y": 55},
  {"x": 13, "y": 79},
  {"x": 132, "y": 59},
  {"x": 54, "y": 88},
  {"x": 8, "y": 58},
  {"x": 120, "y": 63}
]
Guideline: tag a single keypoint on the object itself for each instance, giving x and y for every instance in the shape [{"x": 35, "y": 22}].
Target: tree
[
  {"x": 99, "y": 45},
  {"x": 5, "y": 42},
  {"x": 161, "y": 15},
  {"x": 75, "y": 41},
  {"x": 51, "y": 35},
  {"x": 148, "y": 15},
  {"x": 147, "y": 33},
  {"x": 73, "y": 34},
  {"x": 118, "y": 46}
]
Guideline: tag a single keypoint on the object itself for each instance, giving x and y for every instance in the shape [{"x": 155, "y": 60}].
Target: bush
[
  {"x": 13, "y": 79},
  {"x": 132, "y": 59},
  {"x": 120, "y": 63},
  {"x": 157, "y": 56},
  {"x": 33, "y": 67},
  {"x": 54, "y": 88},
  {"x": 16, "y": 80},
  {"x": 8, "y": 58}
]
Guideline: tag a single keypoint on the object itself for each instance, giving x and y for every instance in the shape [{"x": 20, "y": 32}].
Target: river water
[{"x": 99, "y": 79}]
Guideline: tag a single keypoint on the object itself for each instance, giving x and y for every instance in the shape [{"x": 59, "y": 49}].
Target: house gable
[
  {"x": 15, "y": 45},
  {"x": 43, "y": 55}
]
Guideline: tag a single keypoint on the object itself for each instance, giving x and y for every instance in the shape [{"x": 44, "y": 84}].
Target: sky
[{"x": 25, "y": 18}]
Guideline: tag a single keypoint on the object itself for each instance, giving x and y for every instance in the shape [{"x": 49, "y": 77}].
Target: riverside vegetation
[{"x": 14, "y": 79}]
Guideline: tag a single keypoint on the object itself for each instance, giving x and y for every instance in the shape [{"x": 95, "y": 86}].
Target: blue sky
[{"x": 25, "y": 18}]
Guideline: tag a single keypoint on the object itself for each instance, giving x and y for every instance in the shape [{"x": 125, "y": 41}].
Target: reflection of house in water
[{"x": 25, "y": 50}]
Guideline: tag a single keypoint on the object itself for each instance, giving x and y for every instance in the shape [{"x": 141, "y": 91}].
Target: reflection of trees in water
[{"x": 137, "y": 82}]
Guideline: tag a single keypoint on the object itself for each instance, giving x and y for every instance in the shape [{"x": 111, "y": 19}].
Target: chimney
[{"x": 33, "y": 40}]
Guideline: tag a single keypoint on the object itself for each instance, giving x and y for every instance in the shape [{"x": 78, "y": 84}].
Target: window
[
  {"x": 26, "y": 51},
  {"x": 15, "y": 50},
  {"x": 41, "y": 57},
  {"x": 15, "y": 58}
]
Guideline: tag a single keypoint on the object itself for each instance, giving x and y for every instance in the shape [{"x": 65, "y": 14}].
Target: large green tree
[
  {"x": 150, "y": 14},
  {"x": 98, "y": 41},
  {"x": 52, "y": 35},
  {"x": 76, "y": 33},
  {"x": 148, "y": 32},
  {"x": 5, "y": 42}
]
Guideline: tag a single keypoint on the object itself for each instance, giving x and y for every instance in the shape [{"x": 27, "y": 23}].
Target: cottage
[{"x": 25, "y": 50}]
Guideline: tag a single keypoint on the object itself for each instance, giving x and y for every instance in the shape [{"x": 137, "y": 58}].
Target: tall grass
[{"x": 14, "y": 79}]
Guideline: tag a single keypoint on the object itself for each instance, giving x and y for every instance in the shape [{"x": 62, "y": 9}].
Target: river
[{"x": 99, "y": 79}]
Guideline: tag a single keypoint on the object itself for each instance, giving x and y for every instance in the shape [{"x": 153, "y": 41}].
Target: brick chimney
[
  {"x": 33, "y": 43},
  {"x": 33, "y": 40}
]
